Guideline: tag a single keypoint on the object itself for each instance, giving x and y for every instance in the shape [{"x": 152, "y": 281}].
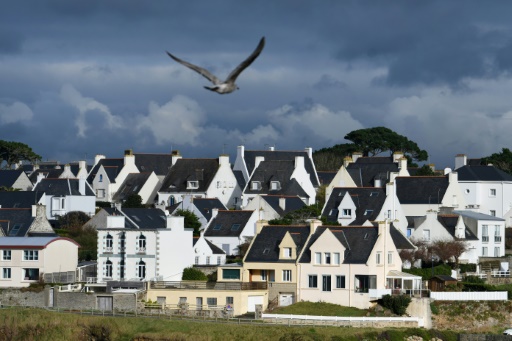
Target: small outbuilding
[{"x": 440, "y": 282}]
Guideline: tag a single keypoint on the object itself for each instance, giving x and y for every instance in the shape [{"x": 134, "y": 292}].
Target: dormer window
[
  {"x": 347, "y": 212},
  {"x": 368, "y": 212},
  {"x": 287, "y": 252},
  {"x": 275, "y": 185},
  {"x": 255, "y": 185},
  {"x": 192, "y": 184},
  {"x": 101, "y": 178}
]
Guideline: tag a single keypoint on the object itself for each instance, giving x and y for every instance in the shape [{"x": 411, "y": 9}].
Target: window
[
  {"x": 287, "y": 275},
  {"x": 426, "y": 234},
  {"x": 217, "y": 227},
  {"x": 30, "y": 255},
  {"x": 484, "y": 251},
  {"x": 230, "y": 273},
  {"x": 346, "y": 212},
  {"x": 336, "y": 258},
  {"x": 207, "y": 260},
  {"x": 109, "y": 243},
  {"x": 264, "y": 275},
  {"x": 211, "y": 301},
  {"x": 326, "y": 283},
  {"x": 219, "y": 184},
  {"x": 14, "y": 231},
  {"x": 497, "y": 234},
  {"x": 492, "y": 192},
  {"x": 287, "y": 252},
  {"x": 409, "y": 232},
  {"x": 365, "y": 282},
  {"x": 108, "y": 269},
  {"x": 31, "y": 274},
  {"x": 219, "y": 260},
  {"x": 141, "y": 243},
  {"x": 313, "y": 281},
  {"x": 493, "y": 213},
  {"x": 274, "y": 185},
  {"x": 182, "y": 300},
  {"x": 192, "y": 184},
  {"x": 196, "y": 260},
  {"x": 374, "y": 194},
  {"x": 6, "y": 254},
  {"x": 141, "y": 269},
  {"x": 368, "y": 212},
  {"x": 496, "y": 251},
  {"x": 390, "y": 257},
  {"x": 230, "y": 300},
  {"x": 255, "y": 185},
  {"x": 327, "y": 257},
  {"x": 340, "y": 282},
  {"x": 121, "y": 269},
  {"x": 235, "y": 227},
  {"x": 6, "y": 273},
  {"x": 378, "y": 258},
  {"x": 318, "y": 258},
  {"x": 485, "y": 233},
  {"x": 101, "y": 178},
  {"x": 100, "y": 193}
]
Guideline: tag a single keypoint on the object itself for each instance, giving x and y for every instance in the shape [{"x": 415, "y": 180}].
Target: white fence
[
  {"x": 469, "y": 296},
  {"x": 346, "y": 319}
]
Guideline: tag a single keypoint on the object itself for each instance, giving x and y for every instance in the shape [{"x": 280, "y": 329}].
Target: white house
[
  {"x": 143, "y": 244},
  {"x": 206, "y": 253},
  {"x": 24, "y": 260},
  {"x": 274, "y": 206}
]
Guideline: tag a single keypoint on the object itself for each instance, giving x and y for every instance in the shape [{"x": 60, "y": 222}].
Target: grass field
[{"x": 36, "y": 324}]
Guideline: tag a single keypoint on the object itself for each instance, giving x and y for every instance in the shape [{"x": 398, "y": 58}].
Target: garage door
[
  {"x": 252, "y": 301},
  {"x": 285, "y": 299},
  {"x": 104, "y": 303}
]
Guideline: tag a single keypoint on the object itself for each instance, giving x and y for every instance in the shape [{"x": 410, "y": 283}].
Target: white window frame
[
  {"x": 492, "y": 192},
  {"x": 378, "y": 258},
  {"x": 318, "y": 258},
  {"x": 390, "y": 257},
  {"x": 30, "y": 255},
  {"x": 194, "y": 184},
  {"x": 255, "y": 185},
  {"x": 287, "y": 275},
  {"x": 6, "y": 255},
  {"x": 346, "y": 212},
  {"x": 426, "y": 235},
  {"x": 327, "y": 258},
  {"x": 336, "y": 258},
  {"x": 312, "y": 281},
  {"x": 6, "y": 273},
  {"x": 497, "y": 251},
  {"x": 287, "y": 252}
]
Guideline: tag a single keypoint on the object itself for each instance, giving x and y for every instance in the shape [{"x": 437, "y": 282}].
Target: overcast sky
[{"x": 80, "y": 78}]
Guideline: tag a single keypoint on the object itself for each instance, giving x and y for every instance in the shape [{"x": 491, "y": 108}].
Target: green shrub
[
  {"x": 467, "y": 268},
  {"x": 426, "y": 273},
  {"x": 192, "y": 274},
  {"x": 397, "y": 304}
]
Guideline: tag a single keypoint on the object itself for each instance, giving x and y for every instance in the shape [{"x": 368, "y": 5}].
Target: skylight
[
  {"x": 366, "y": 236},
  {"x": 374, "y": 194},
  {"x": 235, "y": 227},
  {"x": 15, "y": 229},
  {"x": 368, "y": 212},
  {"x": 217, "y": 227},
  {"x": 266, "y": 251}
]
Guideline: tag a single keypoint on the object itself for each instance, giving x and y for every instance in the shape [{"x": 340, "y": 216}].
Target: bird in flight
[{"x": 227, "y": 86}]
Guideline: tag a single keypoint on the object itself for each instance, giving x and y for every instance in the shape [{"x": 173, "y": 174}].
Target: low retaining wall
[
  {"x": 341, "y": 321},
  {"x": 469, "y": 295}
]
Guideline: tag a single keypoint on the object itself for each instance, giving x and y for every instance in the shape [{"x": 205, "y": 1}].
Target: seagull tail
[{"x": 211, "y": 88}]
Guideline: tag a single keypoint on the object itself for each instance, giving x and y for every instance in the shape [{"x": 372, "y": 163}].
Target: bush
[
  {"x": 397, "y": 304},
  {"x": 467, "y": 268},
  {"x": 192, "y": 274}
]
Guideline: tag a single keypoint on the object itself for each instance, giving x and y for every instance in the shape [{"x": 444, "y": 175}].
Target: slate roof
[
  {"x": 215, "y": 249},
  {"x": 265, "y": 246},
  {"x": 482, "y": 173},
  {"x": 61, "y": 187},
  {"x": 281, "y": 171},
  {"x": 374, "y": 159},
  {"x": 368, "y": 201},
  {"x": 357, "y": 240},
  {"x": 421, "y": 189},
  {"x": 32, "y": 242},
  {"x": 115, "y": 165},
  {"x": 401, "y": 241},
  {"x": 48, "y": 173},
  {"x": 239, "y": 176},
  {"x": 449, "y": 221},
  {"x": 206, "y": 205},
  {"x": 364, "y": 173},
  {"x": 19, "y": 199},
  {"x": 478, "y": 216},
  {"x": 325, "y": 177},
  {"x": 158, "y": 163},
  {"x": 141, "y": 218},
  {"x": 15, "y": 222},
  {"x": 131, "y": 185},
  {"x": 184, "y": 170},
  {"x": 292, "y": 203},
  {"x": 222, "y": 224},
  {"x": 9, "y": 176},
  {"x": 75, "y": 167},
  {"x": 280, "y": 155}
]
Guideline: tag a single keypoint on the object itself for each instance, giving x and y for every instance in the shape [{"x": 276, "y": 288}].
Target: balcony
[
  {"x": 108, "y": 249},
  {"x": 209, "y": 285},
  {"x": 141, "y": 250}
]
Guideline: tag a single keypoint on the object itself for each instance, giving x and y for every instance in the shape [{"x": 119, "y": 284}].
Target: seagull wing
[
  {"x": 234, "y": 74},
  {"x": 203, "y": 72}
]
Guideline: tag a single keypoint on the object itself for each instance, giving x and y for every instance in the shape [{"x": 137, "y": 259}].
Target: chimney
[
  {"x": 129, "y": 158},
  {"x": 40, "y": 176},
  {"x": 260, "y": 224},
  {"x": 403, "y": 163},
  {"x": 240, "y": 151},
  {"x": 377, "y": 182},
  {"x": 390, "y": 188},
  {"x": 115, "y": 221},
  {"x": 453, "y": 177},
  {"x": 215, "y": 211},
  {"x": 258, "y": 160},
  {"x": 224, "y": 160},
  {"x": 282, "y": 203},
  {"x": 176, "y": 223},
  {"x": 97, "y": 158},
  {"x": 460, "y": 160},
  {"x": 383, "y": 227},
  {"x": 313, "y": 224},
  {"x": 397, "y": 156},
  {"x": 299, "y": 162},
  {"x": 271, "y": 148},
  {"x": 175, "y": 156},
  {"x": 309, "y": 151},
  {"x": 81, "y": 186},
  {"x": 460, "y": 229},
  {"x": 356, "y": 156},
  {"x": 347, "y": 160}
]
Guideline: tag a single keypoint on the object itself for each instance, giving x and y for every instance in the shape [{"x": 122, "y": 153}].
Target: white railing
[
  {"x": 473, "y": 274},
  {"x": 500, "y": 273},
  {"x": 418, "y": 320},
  {"x": 70, "y": 288},
  {"x": 378, "y": 293},
  {"x": 109, "y": 249},
  {"x": 469, "y": 296},
  {"x": 91, "y": 280}
]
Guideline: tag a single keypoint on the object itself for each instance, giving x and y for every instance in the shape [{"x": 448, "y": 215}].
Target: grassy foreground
[{"x": 35, "y": 324}]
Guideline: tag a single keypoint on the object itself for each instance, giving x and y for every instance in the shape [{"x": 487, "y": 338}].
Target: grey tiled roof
[
  {"x": 368, "y": 201},
  {"x": 158, "y": 163},
  {"x": 15, "y": 222},
  {"x": 292, "y": 203},
  {"x": 215, "y": 249},
  {"x": 477, "y": 215},
  {"x": 184, "y": 170},
  {"x": 449, "y": 221},
  {"x": 19, "y": 199},
  {"x": 61, "y": 187},
  {"x": 141, "y": 218},
  {"x": 421, "y": 189},
  {"x": 8, "y": 177},
  {"x": 32, "y": 242},
  {"x": 325, "y": 177},
  {"x": 115, "y": 166},
  {"x": 206, "y": 205},
  {"x": 48, "y": 173},
  {"x": 131, "y": 185},
  {"x": 278, "y": 155},
  {"x": 265, "y": 246},
  {"x": 222, "y": 224},
  {"x": 239, "y": 176},
  {"x": 364, "y": 174},
  {"x": 482, "y": 173},
  {"x": 280, "y": 171}
]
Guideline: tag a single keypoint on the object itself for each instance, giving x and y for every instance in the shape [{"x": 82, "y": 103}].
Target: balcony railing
[
  {"x": 109, "y": 249},
  {"x": 485, "y": 239},
  {"x": 209, "y": 285},
  {"x": 497, "y": 239},
  {"x": 141, "y": 250}
]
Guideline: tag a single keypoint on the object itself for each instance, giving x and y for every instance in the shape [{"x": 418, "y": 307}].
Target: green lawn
[{"x": 320, "y": 309}]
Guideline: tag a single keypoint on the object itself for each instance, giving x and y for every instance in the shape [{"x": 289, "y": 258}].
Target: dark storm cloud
[{"x": 10, "y": 42}]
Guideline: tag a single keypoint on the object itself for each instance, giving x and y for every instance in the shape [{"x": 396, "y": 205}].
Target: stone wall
[
  {"x": 24, "y": 298},
  {"x": 274, "y": 289}
]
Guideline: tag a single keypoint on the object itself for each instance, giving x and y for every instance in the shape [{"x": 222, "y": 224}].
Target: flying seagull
[{"x": 227, "y": 86}]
